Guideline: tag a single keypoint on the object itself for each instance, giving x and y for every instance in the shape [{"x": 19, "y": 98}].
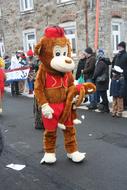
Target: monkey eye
[
  {"x": 64, "y": 53},
  {"x": 57, "y": 53}
]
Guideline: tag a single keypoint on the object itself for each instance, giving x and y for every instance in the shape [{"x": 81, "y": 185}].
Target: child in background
[
  {"x": 2, "y": 79},
  {"x": 31, "y": 62},
  {"x": 117, "y": 91}
]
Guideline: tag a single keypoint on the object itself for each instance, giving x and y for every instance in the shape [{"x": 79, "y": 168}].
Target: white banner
[{"x": 17, "y": 74}]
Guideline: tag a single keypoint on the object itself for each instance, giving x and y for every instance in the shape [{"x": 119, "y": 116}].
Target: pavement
[
  {"x": 102, "y": 137},
  {"x": 25, "y": 93},
  {"x": 83, "y": 105}
]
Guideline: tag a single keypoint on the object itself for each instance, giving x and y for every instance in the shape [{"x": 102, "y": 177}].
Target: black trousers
[
  {"x": 14, "y": 88},
  {"x": 103, "y": 95}
]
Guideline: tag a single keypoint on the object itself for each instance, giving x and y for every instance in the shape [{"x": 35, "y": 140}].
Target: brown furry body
[{"x": 44, "y": 49}]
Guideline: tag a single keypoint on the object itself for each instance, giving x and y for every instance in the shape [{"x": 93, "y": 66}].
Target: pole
[
  {"x": 97, "y": 25},
  {"x": 86, "y": 22}
]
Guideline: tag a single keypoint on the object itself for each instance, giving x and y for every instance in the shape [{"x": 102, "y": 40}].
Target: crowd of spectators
[{"x": 95, "y": 68}]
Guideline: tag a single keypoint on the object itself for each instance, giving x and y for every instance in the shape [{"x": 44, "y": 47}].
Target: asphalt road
[{"x": 102, "y": 137}]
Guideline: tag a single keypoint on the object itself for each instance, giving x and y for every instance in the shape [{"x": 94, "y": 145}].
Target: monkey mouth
[
  {"x": 68, "y": 61},
  {"x": 62, "y": 64}
]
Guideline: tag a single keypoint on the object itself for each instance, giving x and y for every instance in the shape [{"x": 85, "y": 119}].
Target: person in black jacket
[
  {"x": 121, "y": 60},
  {"x": 101, "y": 78},
  {"x": 88, "y": 74},
  {"x": 38, "y": 124},
  {"x": 81, "y": 65},
  {"x": 117, "y": 91}
]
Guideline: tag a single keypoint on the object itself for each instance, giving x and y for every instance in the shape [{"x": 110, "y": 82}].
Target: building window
[
  {"x": 70, "y": 32},
  {"x": 29, "y": 39},
  {"x": 91, "y": 4},
  {"x": 116, "y": 35},
  {"x": 26, "y": 5}
]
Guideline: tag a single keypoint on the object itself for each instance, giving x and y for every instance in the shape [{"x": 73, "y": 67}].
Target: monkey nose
[{"x": 68, "y": 61}]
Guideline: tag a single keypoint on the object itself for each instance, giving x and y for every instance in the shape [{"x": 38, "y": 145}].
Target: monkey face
[
  {"x": 61, "y": 62},
  {"x": 55, "y": 54}
]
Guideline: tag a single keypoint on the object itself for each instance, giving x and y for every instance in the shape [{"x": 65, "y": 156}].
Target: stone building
[{"x": 22, "y": 23}]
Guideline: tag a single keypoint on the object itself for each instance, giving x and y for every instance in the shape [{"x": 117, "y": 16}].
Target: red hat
[
  {"x": 54, "y": 32},
  {"x": 30, "y": 53}
]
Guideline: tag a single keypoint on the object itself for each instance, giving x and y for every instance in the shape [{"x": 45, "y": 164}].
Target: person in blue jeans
[{"x": 31, "y": 62}]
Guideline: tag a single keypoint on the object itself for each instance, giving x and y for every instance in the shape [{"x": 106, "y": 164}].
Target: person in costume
[
  {"x": 53, "y": 80},
  {"x": 2, "y": 79}
]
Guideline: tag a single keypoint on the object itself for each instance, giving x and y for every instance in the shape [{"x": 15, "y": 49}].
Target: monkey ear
[
  {"x": 39, "y": 46},
  {"x": 37, "y": 49},
  {"x": 69, "y": 48}
]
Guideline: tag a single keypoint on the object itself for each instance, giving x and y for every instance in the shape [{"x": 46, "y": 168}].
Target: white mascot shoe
[
  {"x": 48, "y": 158},
  {"x": 76, "y": 156},
  {"x": 77, "y": 121}
]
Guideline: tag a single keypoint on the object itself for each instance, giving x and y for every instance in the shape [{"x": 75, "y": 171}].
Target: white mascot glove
[{"x": 47, "y": 111}]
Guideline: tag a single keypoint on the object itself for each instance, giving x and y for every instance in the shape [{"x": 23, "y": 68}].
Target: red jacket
[{"x": 55, "y": 81}]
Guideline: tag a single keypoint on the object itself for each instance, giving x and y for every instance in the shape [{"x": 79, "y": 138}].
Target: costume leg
[
  {"x": 70, "y": 139},
  {"x": 71, "y": 145},
  {"x": 49, "y": 141}
]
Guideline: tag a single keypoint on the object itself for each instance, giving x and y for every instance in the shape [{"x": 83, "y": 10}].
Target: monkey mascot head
[{"x": 54, "y": 51}]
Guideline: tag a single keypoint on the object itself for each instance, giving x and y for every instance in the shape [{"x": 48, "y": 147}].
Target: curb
[
  {"x": 84, "y": 107},
  {"x": 8, "y": 89}
]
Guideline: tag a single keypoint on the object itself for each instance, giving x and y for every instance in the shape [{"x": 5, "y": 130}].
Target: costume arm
[
  {"x": 72, "y": 92},
  {"x": 39, "y": 86}
]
